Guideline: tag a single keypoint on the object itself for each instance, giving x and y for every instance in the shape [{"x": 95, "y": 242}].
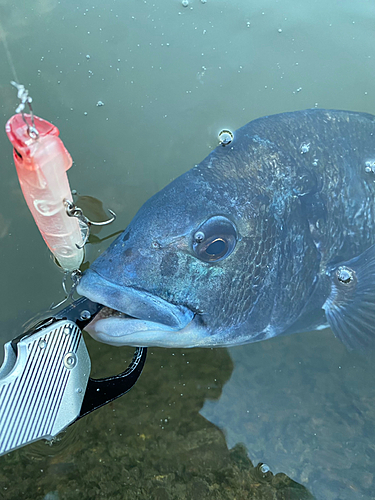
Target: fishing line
[
  {"x": 22, "y": 93},
  {"x": 7, "y": 51}
]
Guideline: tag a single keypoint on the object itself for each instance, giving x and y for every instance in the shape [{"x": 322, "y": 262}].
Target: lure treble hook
[
  {"x": 73, "y": 211},
  {"x": 26, "y": 99},
  {"x": 75, "y": 276}
]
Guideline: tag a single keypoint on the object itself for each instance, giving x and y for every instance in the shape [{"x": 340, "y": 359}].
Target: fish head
[{"x": 194, "y": 265}]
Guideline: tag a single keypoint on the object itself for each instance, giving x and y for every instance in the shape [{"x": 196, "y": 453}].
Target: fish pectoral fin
[{"x": 350, "y": 307}]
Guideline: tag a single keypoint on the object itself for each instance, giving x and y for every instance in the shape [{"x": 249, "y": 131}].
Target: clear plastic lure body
[{"x": 41, "y": 161}]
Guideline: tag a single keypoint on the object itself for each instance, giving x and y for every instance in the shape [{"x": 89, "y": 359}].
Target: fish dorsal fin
[{"x": 350, "y": 307}]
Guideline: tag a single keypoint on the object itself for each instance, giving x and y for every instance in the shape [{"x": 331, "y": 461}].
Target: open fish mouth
[{"x": 134, "y": 317}]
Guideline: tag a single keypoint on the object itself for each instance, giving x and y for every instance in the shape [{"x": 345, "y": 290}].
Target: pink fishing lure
[{"x": 41, "y": 164}]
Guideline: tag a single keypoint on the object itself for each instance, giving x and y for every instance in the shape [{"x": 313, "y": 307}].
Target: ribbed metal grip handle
[{"x": 42, "y": 384}]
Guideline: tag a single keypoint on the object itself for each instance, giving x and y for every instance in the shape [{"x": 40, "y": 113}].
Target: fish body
[{"x": 269, "y": 235}]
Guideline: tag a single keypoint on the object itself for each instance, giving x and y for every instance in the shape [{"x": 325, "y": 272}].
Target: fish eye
[{"x": 215, "y": 239}]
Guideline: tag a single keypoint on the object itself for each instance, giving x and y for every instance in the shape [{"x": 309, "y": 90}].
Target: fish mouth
[{"x": 135, "y": 317}]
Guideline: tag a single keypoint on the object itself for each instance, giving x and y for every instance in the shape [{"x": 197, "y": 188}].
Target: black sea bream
[{"x": 269, "y": 235}]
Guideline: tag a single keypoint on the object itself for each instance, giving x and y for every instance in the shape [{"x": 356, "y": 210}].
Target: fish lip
[{"x": 133, "y": 302}]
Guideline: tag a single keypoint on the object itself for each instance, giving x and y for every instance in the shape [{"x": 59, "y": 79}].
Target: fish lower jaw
[{"x": 118, "y": 329}]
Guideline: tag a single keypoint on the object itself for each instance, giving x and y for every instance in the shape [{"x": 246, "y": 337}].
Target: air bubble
[
  {"x": 345, "y": 275},
  {"x": 305, "y": 147},
  {"x": 225, "y": 137},
  {"x": 185, "y": 3},
  {"x": 370, "y": 166},
  {"x": 199, "y": 236},
  {"x": 264, "y": 468}
]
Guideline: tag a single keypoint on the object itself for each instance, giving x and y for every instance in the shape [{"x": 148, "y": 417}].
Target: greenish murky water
[{"x": 171, "y": 77}]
